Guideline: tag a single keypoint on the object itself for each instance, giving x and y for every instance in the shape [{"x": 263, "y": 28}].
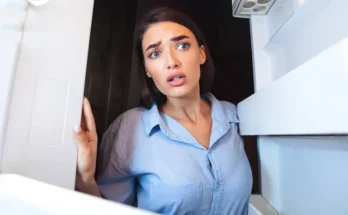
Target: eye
[
  {"x": 183, "y": 46},
  {"x": 154, "y": 54}
]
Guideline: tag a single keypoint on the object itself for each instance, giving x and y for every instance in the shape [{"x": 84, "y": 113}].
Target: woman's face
[{"x": 172, "y": 58}]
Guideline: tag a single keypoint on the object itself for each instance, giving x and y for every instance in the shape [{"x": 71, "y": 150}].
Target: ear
[{"x": 203, "y": 55}]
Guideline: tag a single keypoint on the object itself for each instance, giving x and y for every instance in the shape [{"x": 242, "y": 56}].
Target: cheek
[
  {"x": 192, "y": 63},
  {"x": 152, "y": 67},
  {"x": 155, "y": 69}
]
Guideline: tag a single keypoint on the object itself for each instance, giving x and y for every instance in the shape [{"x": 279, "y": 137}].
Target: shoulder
[
  {"x": 117, "y": 141},
  {"x": 229, "y": 110},
  {"x": 128, "y": 119},
  {"x": 132, "y": 114},
  {"x": 229, "y": 107},
  {"x": 224, "y": 110}
]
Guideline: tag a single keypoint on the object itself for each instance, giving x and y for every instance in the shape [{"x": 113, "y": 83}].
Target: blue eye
[
  {"x": 183, "y": 46},
  {"x": 154, "y": 54}
]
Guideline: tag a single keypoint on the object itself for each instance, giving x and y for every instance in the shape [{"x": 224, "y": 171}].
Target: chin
[{"x": 180, "y": 92}]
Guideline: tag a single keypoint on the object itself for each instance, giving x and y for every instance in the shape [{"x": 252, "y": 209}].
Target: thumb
[{"x": 79, "y": 135}]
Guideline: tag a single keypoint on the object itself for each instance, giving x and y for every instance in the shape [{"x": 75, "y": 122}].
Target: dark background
[{"x": 111, "y": 81}]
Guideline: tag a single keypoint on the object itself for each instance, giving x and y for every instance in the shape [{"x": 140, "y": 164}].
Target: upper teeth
[{"x": 176, "y": 78}]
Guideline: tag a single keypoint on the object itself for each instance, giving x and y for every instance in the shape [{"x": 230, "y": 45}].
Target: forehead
[{"x": 164, "y": 31}]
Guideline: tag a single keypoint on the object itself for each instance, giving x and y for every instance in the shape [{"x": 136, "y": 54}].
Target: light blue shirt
[{"x": 151, "y": 161}]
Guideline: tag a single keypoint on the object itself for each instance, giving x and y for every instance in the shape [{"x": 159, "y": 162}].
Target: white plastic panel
[
  {"x": 259, "y": 206},
  {"x": 308, "y": 100},
  {"x": 12, "y": 18},
  {"x": 13, "y": 14},
  {"x": 314, "y": 26},
  {"x": 280, "y": 13},
  {"x": 43, "y": 124},
  {"x": 47, "y": 93},
  {"x": 270, "y": 175},
  {"x": 261, "y": 61},
  {"x": 21, "y": 195},
  {"x": 37, "y": 2},
  {"x": 313, "y": 175}
]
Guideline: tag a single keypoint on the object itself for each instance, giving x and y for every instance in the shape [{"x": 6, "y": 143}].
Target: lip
[
  {"x": 175, "y": 74},
  {"x": 177, "y": 83}
]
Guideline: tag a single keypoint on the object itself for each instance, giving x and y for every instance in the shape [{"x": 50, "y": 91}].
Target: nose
[{"x": 172, "y": 60}]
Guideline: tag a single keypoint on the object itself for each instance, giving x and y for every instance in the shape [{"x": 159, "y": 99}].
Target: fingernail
[{"x": 77, "y": 129}]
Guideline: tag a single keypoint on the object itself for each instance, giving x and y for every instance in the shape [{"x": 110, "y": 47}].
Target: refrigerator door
[{"x": 47, "y": 92}]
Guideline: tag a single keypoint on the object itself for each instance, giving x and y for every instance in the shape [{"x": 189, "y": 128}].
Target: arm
[
  {"x": 114, "y": 177},
  {"x": 89, "y": 187},
  {"x": 114, "y": 180},
  {"x": 85, "y": 137}
]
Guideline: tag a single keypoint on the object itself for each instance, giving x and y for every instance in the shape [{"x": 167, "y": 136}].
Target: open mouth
[{"x": 176, "y": 78}]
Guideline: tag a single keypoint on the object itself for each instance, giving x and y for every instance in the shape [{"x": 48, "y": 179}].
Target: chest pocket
[{"x": 176, "y": 199}]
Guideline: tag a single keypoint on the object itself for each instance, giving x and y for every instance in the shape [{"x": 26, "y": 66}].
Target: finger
[
  {"x": 88, "y": 116},
  {"x": 83, "y": 122},
  {"x": 79, "y": 136}
]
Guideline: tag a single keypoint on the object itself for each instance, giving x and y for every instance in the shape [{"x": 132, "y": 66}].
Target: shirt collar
[
  {"x": 151, "y": 118},
  {"x": 221, "y": 111}
]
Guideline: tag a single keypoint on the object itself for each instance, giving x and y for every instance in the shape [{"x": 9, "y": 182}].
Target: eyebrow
[{"x": 178, "y": 38}]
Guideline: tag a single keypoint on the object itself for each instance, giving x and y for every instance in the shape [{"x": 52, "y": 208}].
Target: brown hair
[{"x": 149, "y": 92}]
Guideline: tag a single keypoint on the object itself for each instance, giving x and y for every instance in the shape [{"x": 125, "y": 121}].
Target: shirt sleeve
[{"x": 113, "y": 176}]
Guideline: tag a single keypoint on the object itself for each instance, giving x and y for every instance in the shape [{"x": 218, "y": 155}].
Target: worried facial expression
[{"x": 172, "y": 58}]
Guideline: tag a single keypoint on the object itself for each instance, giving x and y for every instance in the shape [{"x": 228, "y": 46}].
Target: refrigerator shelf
[{"x": 309, "y": 100}]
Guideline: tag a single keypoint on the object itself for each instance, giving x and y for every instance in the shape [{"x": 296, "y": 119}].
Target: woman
[{"x": 180, "y": 153}]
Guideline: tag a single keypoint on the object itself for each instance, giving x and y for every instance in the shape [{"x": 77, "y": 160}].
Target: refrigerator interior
[{"x": 307, "y": 173}]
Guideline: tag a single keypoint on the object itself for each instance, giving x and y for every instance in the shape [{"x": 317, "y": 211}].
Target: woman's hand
[{"x": 86, "y": 139}]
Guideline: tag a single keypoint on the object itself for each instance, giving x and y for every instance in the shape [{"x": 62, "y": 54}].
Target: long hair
[{"x": 149, "y": 92}]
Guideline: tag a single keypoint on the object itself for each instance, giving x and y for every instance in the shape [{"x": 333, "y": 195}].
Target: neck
[{"x": 190, "y": 108}]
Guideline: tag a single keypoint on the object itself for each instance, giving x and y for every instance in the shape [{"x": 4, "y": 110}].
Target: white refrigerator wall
[
  {"x": 311, "y": 28},
  {"x": 313, "y": 175},
  {"x": 300, "y": 175}
]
